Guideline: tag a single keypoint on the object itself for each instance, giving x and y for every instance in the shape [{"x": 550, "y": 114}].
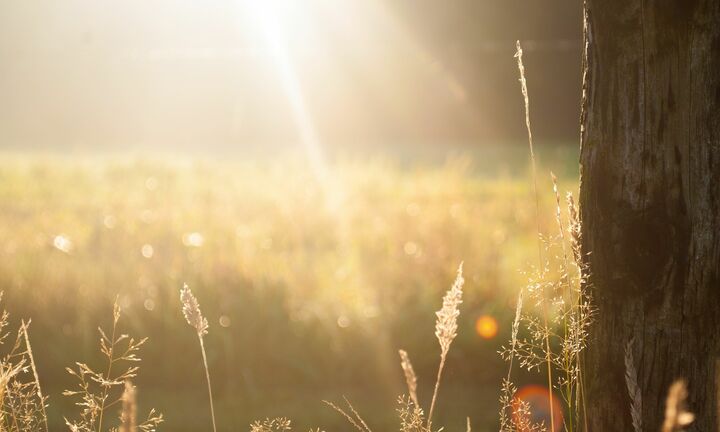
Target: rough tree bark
[{"x": 650, "y": 205}]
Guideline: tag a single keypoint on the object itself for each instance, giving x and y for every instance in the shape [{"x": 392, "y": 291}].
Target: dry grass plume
[{"x": 194, "y": 317}]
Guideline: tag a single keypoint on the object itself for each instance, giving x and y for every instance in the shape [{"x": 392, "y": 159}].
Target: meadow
[{"x": 311, "y": 281}]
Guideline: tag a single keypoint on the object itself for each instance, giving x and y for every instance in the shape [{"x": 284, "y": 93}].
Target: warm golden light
[
  {"x": 486, "y": 327},
  {"x": 276, "y": 43},
  {"x": 539, "y": 400},
  {"x": 315, "y": 170}
]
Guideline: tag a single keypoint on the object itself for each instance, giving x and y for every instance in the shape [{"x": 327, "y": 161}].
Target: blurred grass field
[{"x": 310, "y": 282}]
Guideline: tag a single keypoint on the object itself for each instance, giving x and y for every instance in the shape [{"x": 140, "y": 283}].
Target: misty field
[{"x": 311, "y": 280}]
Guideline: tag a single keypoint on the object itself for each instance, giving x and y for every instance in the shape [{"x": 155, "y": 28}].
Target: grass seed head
[
  {"x": 410, "y": 377},
  {"x": 191, "y": 311},
  {"x": 446, "y": 325}
]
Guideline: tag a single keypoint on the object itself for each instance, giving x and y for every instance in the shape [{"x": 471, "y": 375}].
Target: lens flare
[
  {"x": 486, "y": 327},
  {"x": 539, "y": 400}
]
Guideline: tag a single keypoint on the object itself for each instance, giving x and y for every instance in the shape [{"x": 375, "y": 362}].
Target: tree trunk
[{"x": 650, "y": 205}]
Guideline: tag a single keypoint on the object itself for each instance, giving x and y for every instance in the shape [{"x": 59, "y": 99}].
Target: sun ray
[{"x": 275, "y": 39}]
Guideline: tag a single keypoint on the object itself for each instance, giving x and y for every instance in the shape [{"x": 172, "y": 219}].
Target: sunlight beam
[{"x": 275, "y": 41}]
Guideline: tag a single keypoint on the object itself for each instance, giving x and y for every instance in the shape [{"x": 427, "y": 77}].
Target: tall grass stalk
[
  {"x": 7, "y": 373},
  {"x": 569, "y": 359},
  {"x": 24, "y": 329},
  {"x": 97, "y": 391},
  {"x": 584, "y": 309},
  {"x": 111, "y": 360},
  {"x": 191, "y": 311},
  {"x": 446, "y": 330},
  {"x": 523, "y": 85},
  {"x": 410, "y": 377},
  {"x": 207, "y": 377},
  {"x": 554, "y": 343},
  {"x": 507, "y": 393},
  {"x": 355, "y": 420}
]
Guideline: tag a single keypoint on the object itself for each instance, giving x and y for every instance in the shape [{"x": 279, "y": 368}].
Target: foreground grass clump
[
  {"x": 555, "y": 327},
  {"x": 97, "y": 394},
  {"x": 99, "y": 391},
  {"x": 22, "y": 406}
]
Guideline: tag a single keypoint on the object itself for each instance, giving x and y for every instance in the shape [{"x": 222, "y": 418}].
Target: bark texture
[{"x": 650, "y": 205}]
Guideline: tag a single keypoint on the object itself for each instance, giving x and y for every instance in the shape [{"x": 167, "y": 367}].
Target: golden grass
[
  {"x": 526, "y": 99},
  {"x": 410, "y": 377},
  {"x": 401, "y": 234},
  {"x": 28, "y": 350},
  {"x": 22, "y": 404},
  {"x": 410, "y": 412},
  {"x": 276, "y": 232},
  {"x": 385, "y": 259},
  {"x": 549, "y": 333},
  {"x": 446, "y": 330},
  {"x": 96, "y": 392},
  {"x": 193, "y": 316}
]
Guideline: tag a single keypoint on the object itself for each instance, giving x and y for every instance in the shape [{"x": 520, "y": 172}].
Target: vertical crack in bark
[
  {"x": 688, "y": 178},
  {"x": 642, "y": 189},
  {"x": 717, "y": 391}
]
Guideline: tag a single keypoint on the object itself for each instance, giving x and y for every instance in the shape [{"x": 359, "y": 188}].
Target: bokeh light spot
[
  {"x": 539, "y": 399},
  {"x": 410, "y": 248},
  {"x": 224, "y": 321},
  {"x": 63, "y": 243},
  {"x": 147, "y": 251},
  {"x": 193, "y": 239},
  {"x": 486, "y": 327},
  {"x": 343, "y": 321}
]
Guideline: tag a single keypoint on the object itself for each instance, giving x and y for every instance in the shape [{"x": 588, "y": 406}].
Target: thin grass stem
[
  {"x": 207, "y": 376},
  {"x": 24, "y": 325},
  {"x": 116, "y": 317},
  {"x": 523, "y": 84},
  {"x": 435, "y": 393}
]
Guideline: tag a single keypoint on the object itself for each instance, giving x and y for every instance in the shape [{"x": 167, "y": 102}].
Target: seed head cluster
[
  {"x": 446, "y": 325},
  {"x": 191, "y": 311}
]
